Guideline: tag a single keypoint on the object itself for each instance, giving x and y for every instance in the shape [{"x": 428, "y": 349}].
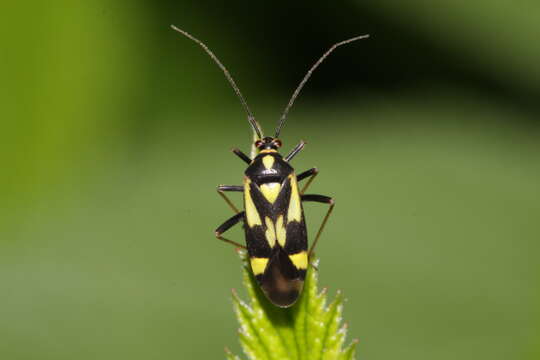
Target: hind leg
[
  {"x": 320, "y": 199},
  {"x": 226, "y": 226}
]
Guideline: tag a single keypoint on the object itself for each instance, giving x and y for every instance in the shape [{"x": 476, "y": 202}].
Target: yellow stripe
[
  {"x": 300, "y": 260},
  {"x": 266, "y": 151},
  {"x": 281, "y": 232},
  {"x": 268, "y": 161},
  {"x": 258, "y": 265},
  {"x": 252, "y": 216},
  {"x": 270, "y": 232},
  {"x": 294, "y": 212},
  {"x": 271, "y": 191}
]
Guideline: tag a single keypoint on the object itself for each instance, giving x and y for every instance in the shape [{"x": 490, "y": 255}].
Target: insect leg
[
  {"x": 222, "y": 188},
  {"x": 320, "y": 199},
  {"x": 241, "y": 155},
  {"x": 295, "y": 151},
  {"x": 227, "y": 225},
  {"x": 311, "y": 173}
]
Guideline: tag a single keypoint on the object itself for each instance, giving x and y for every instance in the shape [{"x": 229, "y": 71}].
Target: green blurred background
[{"x": 115, "y": 131}]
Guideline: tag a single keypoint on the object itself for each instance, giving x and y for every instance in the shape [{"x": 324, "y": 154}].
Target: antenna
[
  {"x": 308, "y": 75},
  {"x": 254, "y": 124}
]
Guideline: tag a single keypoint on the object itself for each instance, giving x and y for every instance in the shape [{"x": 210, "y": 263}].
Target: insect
[{"x": 273, "y": 216}]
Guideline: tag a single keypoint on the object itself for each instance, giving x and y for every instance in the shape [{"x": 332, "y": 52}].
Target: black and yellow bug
[{"x": 273, "y": 216}]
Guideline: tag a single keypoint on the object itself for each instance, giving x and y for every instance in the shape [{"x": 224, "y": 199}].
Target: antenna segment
[
  {"x": 308, "y": 75},
  {"x": 254, "y": 124}
]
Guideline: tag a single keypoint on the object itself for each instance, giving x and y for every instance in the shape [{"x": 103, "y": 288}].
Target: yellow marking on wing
[
  {"x": 271, "y": 191},
  {"x": 281, "y": 232},
  {"x": 252, "y": 215},
  {"x": 300, "y": 260},
  {"x": 294, "y": 212},
  {"x": 268, "y": 161},
  {"x": 258, "y": 265},
  {"x": 270, "y": 232}
]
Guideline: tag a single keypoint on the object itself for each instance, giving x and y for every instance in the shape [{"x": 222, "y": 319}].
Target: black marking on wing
[
  {"x": 296, "y": 238},
  {"x": 282, "y": 282}
]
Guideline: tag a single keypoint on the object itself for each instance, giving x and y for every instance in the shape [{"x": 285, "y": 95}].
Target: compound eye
[
  {"x": 278, "y": 142},
  {"x": 258, "y": 143}
]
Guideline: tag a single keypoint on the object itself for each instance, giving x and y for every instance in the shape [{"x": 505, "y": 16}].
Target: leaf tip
[{"x": 324, "y": 291}]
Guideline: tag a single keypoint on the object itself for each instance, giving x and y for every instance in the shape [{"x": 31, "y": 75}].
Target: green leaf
[{"x": 309, "y": 330}]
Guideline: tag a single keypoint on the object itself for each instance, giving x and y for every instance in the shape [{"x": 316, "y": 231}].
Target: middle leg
[
  {"x": 311, "y": 174},
  {"x": 221, "y": 191}
]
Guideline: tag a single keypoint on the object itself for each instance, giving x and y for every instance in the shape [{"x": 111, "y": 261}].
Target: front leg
[
  {"x": 320, "y": 199},
  {"x": 295, "y": 151},
  {"x": 241, "y": 155},
  {"x": 227, "y": 225}
]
